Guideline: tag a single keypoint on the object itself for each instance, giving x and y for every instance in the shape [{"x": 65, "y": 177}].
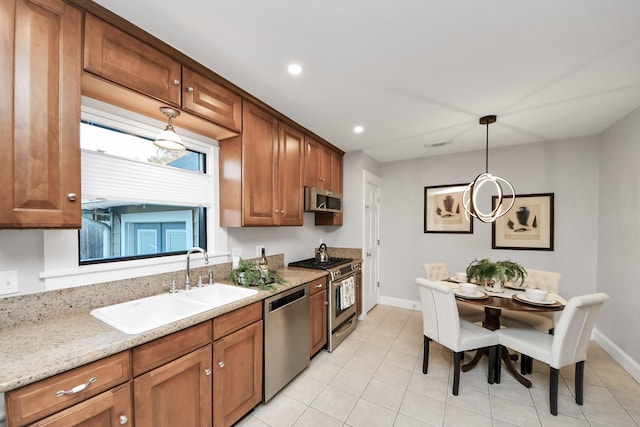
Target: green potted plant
[
  {"x": 494, "y": 275},
  {"x": 249, "y": 274},
  {"x": 481, "y": 271}
]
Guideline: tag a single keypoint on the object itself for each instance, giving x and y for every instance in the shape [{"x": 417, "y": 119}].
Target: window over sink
[{"x": 142, "y": 208}]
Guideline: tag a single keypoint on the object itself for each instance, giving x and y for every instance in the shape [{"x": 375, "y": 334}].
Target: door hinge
[{"x": 378, "y": 242}]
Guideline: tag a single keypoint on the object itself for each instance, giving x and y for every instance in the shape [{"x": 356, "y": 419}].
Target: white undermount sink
[{"x": 144, "y": 314}]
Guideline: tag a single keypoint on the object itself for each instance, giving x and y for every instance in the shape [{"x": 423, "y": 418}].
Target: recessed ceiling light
[
  {"x": 358, "y": 129},
  {"x": 295, "y": 69}
]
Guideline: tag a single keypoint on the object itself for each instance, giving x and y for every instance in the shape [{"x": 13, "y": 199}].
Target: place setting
[{"x": 536, "y": 297}]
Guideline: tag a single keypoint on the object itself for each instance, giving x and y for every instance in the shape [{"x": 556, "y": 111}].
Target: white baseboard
[
  {"x": 401, "y": 303},
  {"x": 627, "y": 363}
]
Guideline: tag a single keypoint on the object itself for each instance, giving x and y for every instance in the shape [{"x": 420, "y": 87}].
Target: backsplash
[{"x": 40, "y": 307}]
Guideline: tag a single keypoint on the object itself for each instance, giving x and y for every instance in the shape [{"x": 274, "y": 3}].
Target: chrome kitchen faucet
[{"x": 187, "y": 282}]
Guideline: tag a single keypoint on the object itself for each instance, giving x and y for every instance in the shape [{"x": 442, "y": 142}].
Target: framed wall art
[
  {"x": 443, "y": 211},
  {"x": 528, "y": 225}
]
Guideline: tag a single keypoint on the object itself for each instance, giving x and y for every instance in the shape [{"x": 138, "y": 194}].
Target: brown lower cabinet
[
  {"x": 317, "y": 315},
  {"x": 111, "y": 408},
  {"x": 208, "y": 374},
  {"x": 176, "y": 394}
]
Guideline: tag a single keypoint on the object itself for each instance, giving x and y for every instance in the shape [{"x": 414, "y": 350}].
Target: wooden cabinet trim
[
  {"x": 236, "y": 320},
  {"x": 158, "y": 352},
  {"x": 37, "y": 400}
]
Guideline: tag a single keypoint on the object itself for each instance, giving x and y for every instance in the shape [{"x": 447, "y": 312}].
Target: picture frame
[
  {"x": 527, "y": 226},
  {"x": 443, "y": 210}
]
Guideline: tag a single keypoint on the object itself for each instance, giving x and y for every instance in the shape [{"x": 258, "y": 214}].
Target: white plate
[
  {"x": 524, "y": 297},
  {"x": 455, "y": 279},
  {"x": 475, "y": 295}
]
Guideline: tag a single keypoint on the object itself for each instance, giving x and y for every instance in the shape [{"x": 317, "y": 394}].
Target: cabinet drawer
[
  {"x": 110, "y": 408},
  {"x": 116, "y": 56},
  {"x": 211, "y": 101},
  {"x": 317, "y": 285},
  {"x": 37, "y": 400},
  {"x": 237, "y": 319},
  {"x": 158, "y": 352}
]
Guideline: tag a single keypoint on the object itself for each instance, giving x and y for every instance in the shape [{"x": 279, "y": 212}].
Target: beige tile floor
[{"x": 374, "y": 379}]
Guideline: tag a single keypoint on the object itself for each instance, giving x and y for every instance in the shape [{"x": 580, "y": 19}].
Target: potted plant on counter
[
  {"x": 494, "y": 275},
  {"x": 249, "y": 274}
]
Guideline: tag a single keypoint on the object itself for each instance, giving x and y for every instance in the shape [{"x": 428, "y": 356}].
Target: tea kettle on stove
[{"x": 321, "y": 253}]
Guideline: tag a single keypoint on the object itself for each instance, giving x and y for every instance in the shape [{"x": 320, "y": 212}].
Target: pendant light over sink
[
  {"x": 470, "y": 194},
  {"x": 168, "y": 138}
]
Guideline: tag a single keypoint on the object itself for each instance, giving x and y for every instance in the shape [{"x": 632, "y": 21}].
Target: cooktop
[{"x": 320, "y": 265}]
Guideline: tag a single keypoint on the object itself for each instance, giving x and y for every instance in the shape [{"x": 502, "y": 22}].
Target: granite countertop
[{"x": 35, "y": 350}]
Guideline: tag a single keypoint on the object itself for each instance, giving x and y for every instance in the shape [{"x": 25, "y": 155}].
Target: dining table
[{"x": 493, "y": 303}]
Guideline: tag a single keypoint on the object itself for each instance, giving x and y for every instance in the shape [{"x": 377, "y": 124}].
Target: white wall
[
  {"x": 619, "y": 234},
  {"x": 23, "y": 250},
  {"x": 566, "y": 168}
]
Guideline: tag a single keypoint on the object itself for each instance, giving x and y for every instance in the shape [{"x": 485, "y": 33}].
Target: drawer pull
[
  {"x": 123, "y": 419},
  {"x": 76, "y": 389},
  {"x": 319, "y": 286}
]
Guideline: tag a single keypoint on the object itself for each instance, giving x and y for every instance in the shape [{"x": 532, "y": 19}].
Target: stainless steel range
[{"x": 342, "y": 283}]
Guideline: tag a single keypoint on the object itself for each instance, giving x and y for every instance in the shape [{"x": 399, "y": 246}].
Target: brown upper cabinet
[
  {"x": 261, "y": 173},
  {"x": 39, "y": 114},
  {"x": 323, "y": 166},
  {"x": 117, "y": 56},
  {"x": 209, "y": 100}
]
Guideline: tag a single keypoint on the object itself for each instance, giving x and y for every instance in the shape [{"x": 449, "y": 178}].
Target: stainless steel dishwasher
[{"x": 286, "y": 338}]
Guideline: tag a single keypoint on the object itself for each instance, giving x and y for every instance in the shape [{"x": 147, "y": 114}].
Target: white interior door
[{"x": 370, "y": 273}]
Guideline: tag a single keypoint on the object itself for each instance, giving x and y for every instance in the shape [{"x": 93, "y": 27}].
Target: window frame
[{"x": 61, "y": 247}]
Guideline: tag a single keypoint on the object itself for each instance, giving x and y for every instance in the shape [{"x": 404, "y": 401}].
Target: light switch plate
[{"x": 8, "y": 282}]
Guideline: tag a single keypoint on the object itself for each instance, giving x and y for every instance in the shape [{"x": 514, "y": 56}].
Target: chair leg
[
  {"x": 491, "y": 374},
  {"x": 498, "y": 364},
  {"x": 425, "y": 356},
  {"x": 553, "y": 390},
  {"x": 457, "y": 358},
  {"x": 579, "y": 382}
]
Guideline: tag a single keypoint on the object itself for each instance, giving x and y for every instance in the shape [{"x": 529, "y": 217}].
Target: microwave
[{"x": 319, "y": 200}]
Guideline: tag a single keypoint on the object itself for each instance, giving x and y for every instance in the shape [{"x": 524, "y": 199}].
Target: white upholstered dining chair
[
  {"x": 442, "y": 324},
  {"x": 567, "y": 346},
  {"x": 540, "y": 279},
  {"x": 440, "y": 271}
]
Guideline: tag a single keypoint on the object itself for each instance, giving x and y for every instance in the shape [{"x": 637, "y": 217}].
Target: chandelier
[{"x": 470, "y": 194}]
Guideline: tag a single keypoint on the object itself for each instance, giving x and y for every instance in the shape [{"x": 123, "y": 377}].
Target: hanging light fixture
[
  {"x": 168, "y": 138},
  {"x": 470, "y": 194}
]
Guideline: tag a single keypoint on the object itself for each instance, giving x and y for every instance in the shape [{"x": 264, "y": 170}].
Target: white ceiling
[{"x": 417, "y": 72}]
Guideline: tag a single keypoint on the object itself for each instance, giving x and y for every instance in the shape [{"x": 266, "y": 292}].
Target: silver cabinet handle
[
  {"x": 176, "y": 82},
  {"x": 76, "y": 389},
  {"x": 72, "y": 197},
  {"x": 207, "y": 372},
  {"x": 189, "y": 89},
  {"x": 319, "y": 286},
  {"x": 123, "y": 419},
  {"x": 221, "y": 364}
]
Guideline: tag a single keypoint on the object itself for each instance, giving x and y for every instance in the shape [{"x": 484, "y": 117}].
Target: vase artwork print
[
  {"x": 443, "y": 210},
  {"x": 528, "y": 225}
]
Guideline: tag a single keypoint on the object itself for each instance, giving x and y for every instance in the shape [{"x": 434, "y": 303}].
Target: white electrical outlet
[
  {"x": 8, "y": 282},
  {"x": 259, "y": 250}
]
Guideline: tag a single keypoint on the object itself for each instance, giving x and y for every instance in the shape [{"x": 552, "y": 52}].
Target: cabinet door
[
  {"x": 318, "y": 321},
  {"x": 259, "y": 167},
  {"x": 211, "y": 101},
  {"x": 109, "y": 409},
  {"x": 40, "y": 114},
  {"x": 237, "y": 384},
  {"x": 176, "y": 394},
  {"x": 335, "y": 172},
  {"x": 290, "y": 174},
  {"x": 123, "y": 59},
  {"x": 312, "y": 163}
]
